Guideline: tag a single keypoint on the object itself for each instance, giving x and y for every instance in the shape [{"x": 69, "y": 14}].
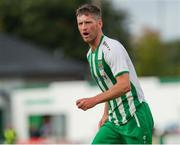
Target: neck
[{"x": 94, "y": 44}]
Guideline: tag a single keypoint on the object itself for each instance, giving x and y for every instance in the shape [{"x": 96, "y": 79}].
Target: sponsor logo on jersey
[{"x": 105, "y": 44}]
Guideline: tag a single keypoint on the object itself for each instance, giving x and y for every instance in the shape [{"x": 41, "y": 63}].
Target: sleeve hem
[{"x": 121, "y": 73}]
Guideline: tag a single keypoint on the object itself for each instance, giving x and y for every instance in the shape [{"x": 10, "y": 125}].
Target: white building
[{"x": 57, "y": 102}]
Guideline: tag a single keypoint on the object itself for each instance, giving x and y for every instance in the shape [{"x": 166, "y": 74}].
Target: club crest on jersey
[
  {"x": 101, "y": 69},
  {"x": 100, "y": 65}
]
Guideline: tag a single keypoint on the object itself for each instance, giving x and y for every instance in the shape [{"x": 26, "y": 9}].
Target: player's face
[{"x": 88, "y": 27}]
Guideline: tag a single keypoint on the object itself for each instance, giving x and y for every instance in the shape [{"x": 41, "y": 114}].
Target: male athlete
[{"x": 127, "y": 118}]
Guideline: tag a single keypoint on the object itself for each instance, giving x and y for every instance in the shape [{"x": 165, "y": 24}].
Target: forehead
[{"x": 84, "y": 17}]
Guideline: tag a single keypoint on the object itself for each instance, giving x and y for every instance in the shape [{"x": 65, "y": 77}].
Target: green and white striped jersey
[{"x": 108, "y": 61}]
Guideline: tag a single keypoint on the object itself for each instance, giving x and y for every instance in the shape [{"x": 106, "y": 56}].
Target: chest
[{"x": 99, "y": 68}]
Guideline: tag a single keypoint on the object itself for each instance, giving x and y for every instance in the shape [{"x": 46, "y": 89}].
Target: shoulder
[{"x": 112, "y": 46}]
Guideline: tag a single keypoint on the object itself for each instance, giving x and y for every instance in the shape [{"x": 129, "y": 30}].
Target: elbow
[{"x": 126, "y": 88}]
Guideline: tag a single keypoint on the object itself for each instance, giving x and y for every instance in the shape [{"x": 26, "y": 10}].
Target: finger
[
  {"x": 79, "y": 101},
  {"x": 81, "y": 105},
  {"x": 84, "y": 109},
  {"x": 99, "y": 125}
]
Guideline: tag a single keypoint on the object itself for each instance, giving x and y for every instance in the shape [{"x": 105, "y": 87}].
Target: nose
[{"x": 84, "y": 26}]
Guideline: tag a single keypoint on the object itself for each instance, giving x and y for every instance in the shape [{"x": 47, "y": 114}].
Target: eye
[
  {"x": 88, "y": 22},
  {"x": 80, "y": 23}
]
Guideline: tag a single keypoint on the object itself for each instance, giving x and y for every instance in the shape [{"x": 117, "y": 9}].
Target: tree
[
  {"x": 173, "y": 59},
  {"x": 154, "y": 57},
  {"x": 52, "y": 24},
  {"x": 151, "y": 58}
]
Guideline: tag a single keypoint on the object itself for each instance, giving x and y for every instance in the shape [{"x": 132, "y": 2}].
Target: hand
[
  {"x": 86, "y": 103},
  {"x": 103, "y": 120}
]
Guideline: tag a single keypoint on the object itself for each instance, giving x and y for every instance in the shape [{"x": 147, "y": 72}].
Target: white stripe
[
  {"x": 100, "y": 53},
  {"x": 130, "y": 99},
  {"x": 113, "y": 117},
  {"x": 95, "y": 73},
  {"x": 121, "y": 109},
  {"x": 89, "y": 52},
  {"x": 113, "y": 113},
  {"x": 109, "y": 112},
  {"x": 137, "y": 120}
]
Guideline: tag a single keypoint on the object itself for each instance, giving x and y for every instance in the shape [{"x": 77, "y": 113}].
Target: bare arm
[{"x": 120, "y": 88}]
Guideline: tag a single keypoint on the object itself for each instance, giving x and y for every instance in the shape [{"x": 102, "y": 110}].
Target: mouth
[{"x": 85, "y": 34}]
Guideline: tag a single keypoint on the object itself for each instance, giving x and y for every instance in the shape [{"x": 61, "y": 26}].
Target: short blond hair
[{"x": 89, "y": 9}]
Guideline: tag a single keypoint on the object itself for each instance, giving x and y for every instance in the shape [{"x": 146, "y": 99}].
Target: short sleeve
[{"x": 117, "y": 60}]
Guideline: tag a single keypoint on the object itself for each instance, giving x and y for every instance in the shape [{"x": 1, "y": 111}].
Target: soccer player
[{"x": 127, "y": 118}]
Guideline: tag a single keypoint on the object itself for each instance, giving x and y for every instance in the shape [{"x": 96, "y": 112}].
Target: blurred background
[{"x": 43, "y": 67}]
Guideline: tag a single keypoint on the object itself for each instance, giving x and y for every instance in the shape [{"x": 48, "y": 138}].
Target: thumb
[{"x": 100, "y": 124}]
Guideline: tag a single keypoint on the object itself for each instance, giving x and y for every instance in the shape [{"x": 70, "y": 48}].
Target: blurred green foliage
[
  {"x": 52, "y": 25},
  {"x": 48, "y": 23},
  {"x": 153, "y": 57},
  {"x": 173, "y": 58}
]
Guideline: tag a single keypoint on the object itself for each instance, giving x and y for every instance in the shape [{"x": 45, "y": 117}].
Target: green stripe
[
  {"x": 126, "y": 106},
  {"x": 97, "y": 70},
  {"x": 111, "y": 114},
  {"x": 108, "y": 70},
  {"x": 91, "y": 69},
  {"x": 119, "y": 116},
  {"x": 121, "y": 73},
  {"x": 92, "y": 73},
  {"x": 134, "y": 94}
]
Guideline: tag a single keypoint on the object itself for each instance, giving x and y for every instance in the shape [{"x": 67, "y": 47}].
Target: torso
[{"x": 105, "y": 67}]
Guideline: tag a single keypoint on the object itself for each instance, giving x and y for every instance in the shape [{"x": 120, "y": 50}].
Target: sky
[{"x": 161, "y": 15}]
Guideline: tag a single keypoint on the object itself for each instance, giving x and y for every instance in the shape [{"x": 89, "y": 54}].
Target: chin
[{"x": 86, "y": 40}]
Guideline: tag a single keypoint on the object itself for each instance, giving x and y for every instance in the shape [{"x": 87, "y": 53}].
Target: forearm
[
  {"x": 110, "y": 94},
  {"x": 119, "y": 89}
]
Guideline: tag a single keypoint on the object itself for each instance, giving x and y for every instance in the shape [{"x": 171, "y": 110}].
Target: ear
[{"x": 100, "y": 23}]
